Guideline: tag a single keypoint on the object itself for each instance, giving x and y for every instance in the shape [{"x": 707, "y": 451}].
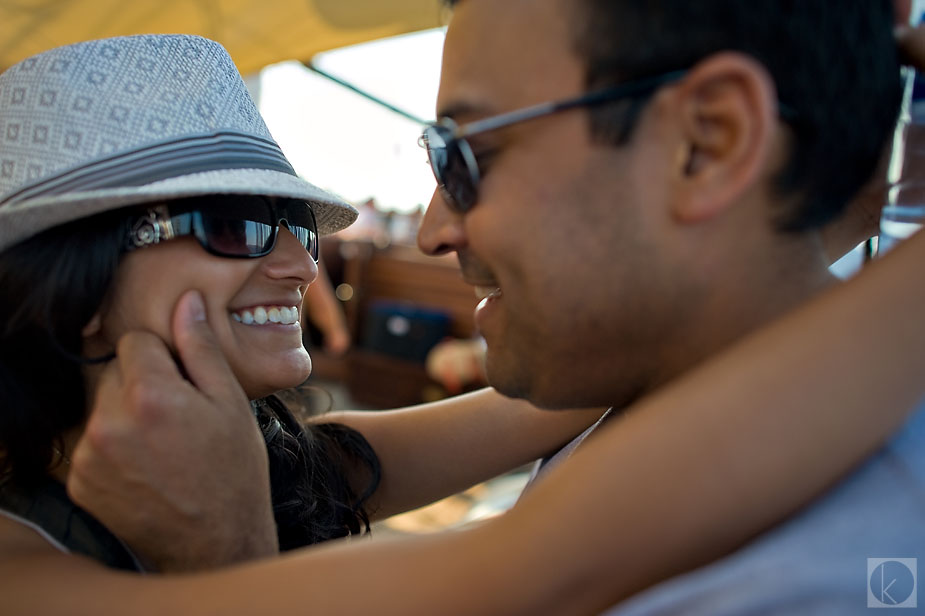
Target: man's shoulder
[{"x": 817, "y": 561}]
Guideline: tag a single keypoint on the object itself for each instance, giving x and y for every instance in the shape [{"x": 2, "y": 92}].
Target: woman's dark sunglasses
[
  {"x": 455, "y": 165},
  {"x": 235, "y": 226}
]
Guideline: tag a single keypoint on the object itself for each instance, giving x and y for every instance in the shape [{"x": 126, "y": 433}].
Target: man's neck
[{"x": 741, "y": 300}]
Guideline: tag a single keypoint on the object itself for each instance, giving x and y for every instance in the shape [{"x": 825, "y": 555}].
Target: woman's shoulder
[
  {"x": 18, "y": 529},
  {"x": 21, "y": 539},
  {"x": 46, "y": 509},
  {"x": 38, "y": 578}
]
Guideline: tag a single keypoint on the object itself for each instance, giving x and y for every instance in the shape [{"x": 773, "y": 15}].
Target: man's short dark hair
[{"x": 834, "y": 63}]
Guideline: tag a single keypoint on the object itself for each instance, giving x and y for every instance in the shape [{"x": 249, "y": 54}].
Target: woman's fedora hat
[{"x": 103, "y": 124}]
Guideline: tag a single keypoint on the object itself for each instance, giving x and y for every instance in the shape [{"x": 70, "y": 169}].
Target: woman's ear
[{"x": 728, "y": 108}]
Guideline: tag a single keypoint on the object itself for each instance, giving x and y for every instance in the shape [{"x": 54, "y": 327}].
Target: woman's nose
[{"x": 290, "y": 259}]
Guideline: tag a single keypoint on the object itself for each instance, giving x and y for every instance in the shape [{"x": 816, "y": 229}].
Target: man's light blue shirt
[{"x": 833, "y": 558}]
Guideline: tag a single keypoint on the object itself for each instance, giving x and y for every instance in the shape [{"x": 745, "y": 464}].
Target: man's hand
[{"x": 176, "y": 468}]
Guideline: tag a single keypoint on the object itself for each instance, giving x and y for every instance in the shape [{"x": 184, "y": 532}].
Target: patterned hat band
[{"x": 161, "y": 161}]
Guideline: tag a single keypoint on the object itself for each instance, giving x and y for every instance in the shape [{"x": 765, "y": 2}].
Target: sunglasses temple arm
[
  {"x": 625, "y": 90},
  {"x": 512, "y": 117}
]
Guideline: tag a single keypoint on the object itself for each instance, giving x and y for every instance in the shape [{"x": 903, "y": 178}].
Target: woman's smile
[{"x": 264, "y": 315}]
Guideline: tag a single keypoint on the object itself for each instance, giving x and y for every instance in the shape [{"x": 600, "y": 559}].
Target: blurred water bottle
[{"x": 904, "y": 212}]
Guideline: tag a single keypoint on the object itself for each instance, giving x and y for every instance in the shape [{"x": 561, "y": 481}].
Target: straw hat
[{"x": 102, "y": 124}]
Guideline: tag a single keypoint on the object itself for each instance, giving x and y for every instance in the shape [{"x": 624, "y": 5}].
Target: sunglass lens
[
  {"x": 449, "y": 167},
  {"x": 239, "y": 227},
  {"x": 300, "y": 219},
  {"x": 436, "y": 151},
  {"x": 247, "y": 226},
  {"x": 457, "y": 179},
  {"x": 236, "y": 237},
  {"x": 308, "y": 238}
]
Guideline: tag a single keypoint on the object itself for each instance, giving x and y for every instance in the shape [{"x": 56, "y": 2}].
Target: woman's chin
[
  {"x": 276, "y": 376},
  {"x": 255, "y": 392}
]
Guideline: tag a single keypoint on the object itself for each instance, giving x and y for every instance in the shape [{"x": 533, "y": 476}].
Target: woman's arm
[{"x": 433, "y": 450}]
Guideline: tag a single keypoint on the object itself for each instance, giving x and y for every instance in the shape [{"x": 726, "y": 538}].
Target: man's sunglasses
[
  {"x": 236, "y": 226},
  {"x": 455, "y": 165}
]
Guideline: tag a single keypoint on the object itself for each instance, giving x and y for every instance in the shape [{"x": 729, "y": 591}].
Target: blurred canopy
[{"x": 255, "y": 32}]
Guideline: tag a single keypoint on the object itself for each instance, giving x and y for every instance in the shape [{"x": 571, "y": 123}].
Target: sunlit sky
[{"x": 343, "y": 142}]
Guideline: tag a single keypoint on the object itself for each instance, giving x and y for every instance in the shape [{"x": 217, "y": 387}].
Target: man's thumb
[{"x": 198, "y": 348}]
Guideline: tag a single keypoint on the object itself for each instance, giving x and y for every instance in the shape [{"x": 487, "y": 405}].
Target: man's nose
[{"x": 441, "y": 229}]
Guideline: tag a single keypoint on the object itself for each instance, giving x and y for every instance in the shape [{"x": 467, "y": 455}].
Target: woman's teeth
[{"x": 267, "y": 314}]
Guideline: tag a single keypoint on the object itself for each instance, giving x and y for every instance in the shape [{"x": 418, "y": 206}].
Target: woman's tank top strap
[{"x": 48, "y": 507}]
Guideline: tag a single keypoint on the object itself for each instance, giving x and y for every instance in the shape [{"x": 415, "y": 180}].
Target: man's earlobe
[{"x": 93, "y": 327}]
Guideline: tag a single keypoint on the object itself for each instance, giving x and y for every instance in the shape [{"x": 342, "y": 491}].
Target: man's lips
[
  {"x": 486, "y": 291},
  {"x": 479, "y": 276}
]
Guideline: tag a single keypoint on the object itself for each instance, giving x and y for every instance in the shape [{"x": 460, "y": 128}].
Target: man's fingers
[
  {"x": 134, "y": 384},
  {"x": 108, "y": 381},
  {"x": 199, "y": 351},
  {"x": 145, "y": 354}
]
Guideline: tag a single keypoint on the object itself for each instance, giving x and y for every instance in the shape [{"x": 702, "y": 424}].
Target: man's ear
[
  {"x": 93, "y": 327},
  {"x": 728, "y": 110}
]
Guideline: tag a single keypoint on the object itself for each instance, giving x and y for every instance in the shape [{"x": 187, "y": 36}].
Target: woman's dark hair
[
  {"x": 321, "y": 504},
  {"x": 51, "y": 285}
]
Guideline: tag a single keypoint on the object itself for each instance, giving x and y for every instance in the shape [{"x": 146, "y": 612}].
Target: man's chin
[
  {"x": 545, "y": 392},
  {"x": 522, "y": 387}
]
